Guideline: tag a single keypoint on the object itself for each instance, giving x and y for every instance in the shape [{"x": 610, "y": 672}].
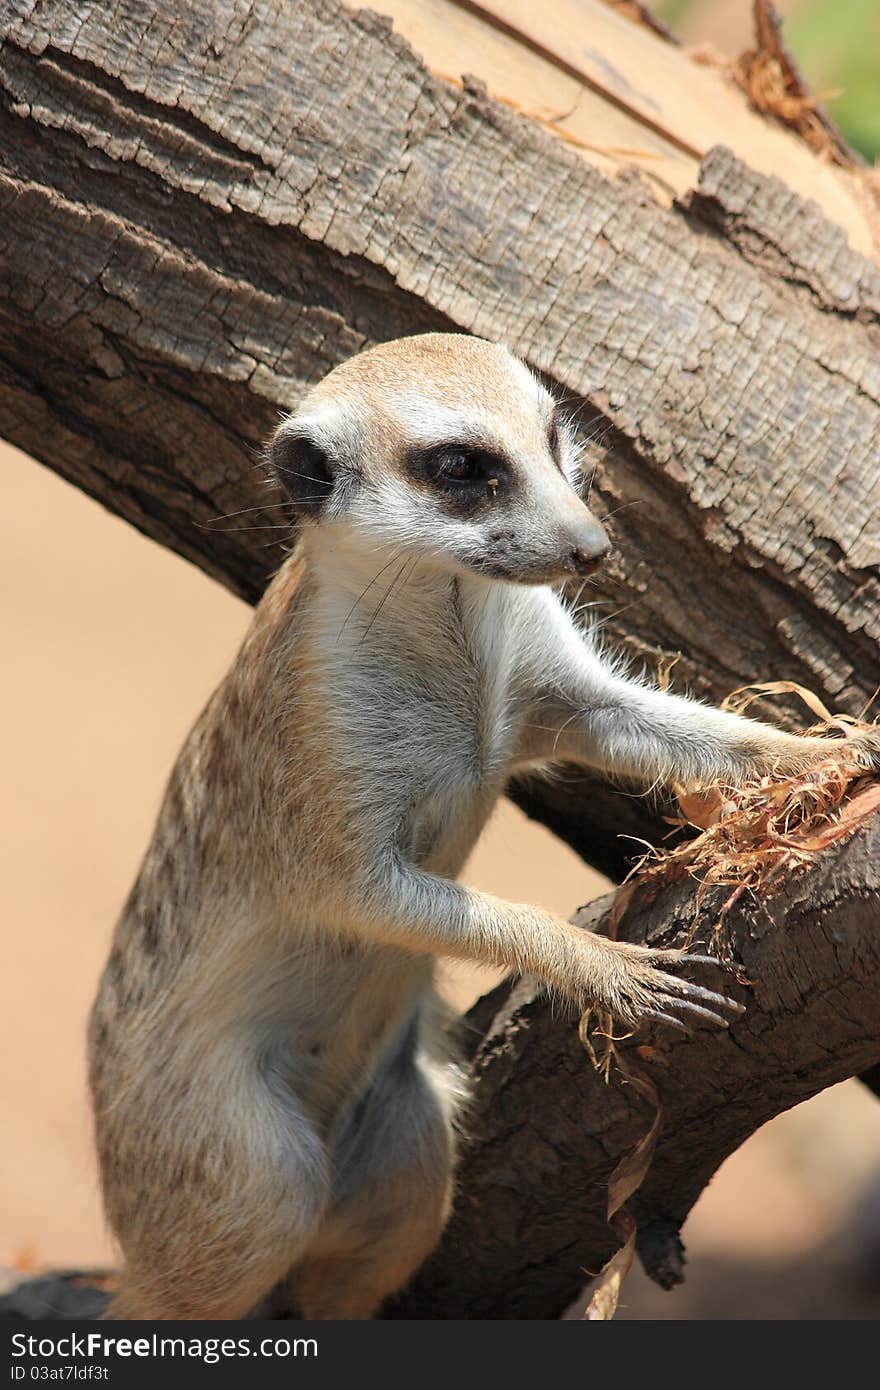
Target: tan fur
[{"x": 273, "y": 1088}]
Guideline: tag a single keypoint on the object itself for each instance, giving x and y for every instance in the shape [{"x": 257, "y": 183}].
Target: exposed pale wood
[
  {"x": 625, "y": 97},
  {"x": 455, "y": 40}
]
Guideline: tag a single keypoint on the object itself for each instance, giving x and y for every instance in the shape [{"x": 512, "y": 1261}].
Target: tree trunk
[
  {"x": 546, "y": 1131},
  {"x": 204, "y": 208}
]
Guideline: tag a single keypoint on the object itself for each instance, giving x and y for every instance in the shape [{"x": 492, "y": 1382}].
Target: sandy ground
[{"x": 111, "y": 646}]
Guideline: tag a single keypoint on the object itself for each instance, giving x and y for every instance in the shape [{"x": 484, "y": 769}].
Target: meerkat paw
[
  {"x": 640, "y": 986},
  {"x": 806, "y": 751},
  {"x": 864, "y": 748}
]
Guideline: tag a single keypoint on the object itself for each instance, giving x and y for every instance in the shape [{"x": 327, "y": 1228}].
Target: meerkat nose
[{"x": 589, "y": 546}]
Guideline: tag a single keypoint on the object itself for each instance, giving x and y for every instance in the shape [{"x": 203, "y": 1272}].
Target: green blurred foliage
[{"x": 836, "y": 43}]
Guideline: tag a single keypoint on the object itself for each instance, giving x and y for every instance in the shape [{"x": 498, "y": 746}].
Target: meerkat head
[{"x": 447, "y": 446}]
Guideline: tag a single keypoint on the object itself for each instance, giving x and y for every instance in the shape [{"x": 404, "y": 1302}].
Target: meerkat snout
[
  {"x": 446, "y": 448},
  {"x": 588, "y": 545}
]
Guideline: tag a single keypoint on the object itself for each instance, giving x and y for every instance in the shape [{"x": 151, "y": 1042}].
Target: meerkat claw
[
  {"x": 687, "y": 958},
  {"x": 657, "y": 1016},
  {"x": 698, "y": 1011},
  {"x": 691, "y": 992}
]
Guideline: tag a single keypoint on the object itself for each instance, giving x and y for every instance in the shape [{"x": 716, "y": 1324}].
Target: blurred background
[
  {"x": 836, "y": 44},
  {"x": 111, "y": 648}
]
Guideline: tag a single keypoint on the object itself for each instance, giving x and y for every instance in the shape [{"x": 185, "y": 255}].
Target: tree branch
[
  {"x": 184, "y": 250},
  {"x": 546, "y": 1131}
]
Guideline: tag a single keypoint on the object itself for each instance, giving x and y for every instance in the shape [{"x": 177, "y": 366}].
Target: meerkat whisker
[
  {"x": 634, "y": 502},
  {"x": 366, "y": 589},
  {"x": 387, "y": 594}
]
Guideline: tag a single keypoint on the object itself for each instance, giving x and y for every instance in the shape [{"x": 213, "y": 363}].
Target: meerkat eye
[
  {"x": 460, "y": 473},
  {"x": 458, "y": 467},
  {"x": 553, "y": 439},
  {"x": 465, "y": 466}
]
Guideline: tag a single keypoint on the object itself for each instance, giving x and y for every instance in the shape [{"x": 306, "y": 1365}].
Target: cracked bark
[
  {"x": 203, "y": 209},
  {"x": 531, "y": 1218}
]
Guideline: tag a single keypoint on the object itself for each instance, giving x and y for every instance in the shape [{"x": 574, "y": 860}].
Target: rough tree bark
[
  {"x": 203, "y": 208},
  {"x": 547, "y": 1131}
]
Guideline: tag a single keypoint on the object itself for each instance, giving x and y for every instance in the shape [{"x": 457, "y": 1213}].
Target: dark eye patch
[
  {"x": 464, "y": 474},
  {"x": 554, "y": 437}
]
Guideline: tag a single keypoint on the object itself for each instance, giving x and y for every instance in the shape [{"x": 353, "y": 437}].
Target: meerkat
[{"x": 274, "y": 1092}]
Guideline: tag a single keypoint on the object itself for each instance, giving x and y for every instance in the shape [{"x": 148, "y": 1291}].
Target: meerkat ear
[{"x": 302, "y": 468}]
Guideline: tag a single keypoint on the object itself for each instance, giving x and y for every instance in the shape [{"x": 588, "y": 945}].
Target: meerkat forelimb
[{"x": 274, "y": 1090}]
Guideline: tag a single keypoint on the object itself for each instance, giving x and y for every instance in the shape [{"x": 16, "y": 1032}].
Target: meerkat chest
[
  {"x": 455, "y": 796},
  {"x": 459, "y": 759},
  {"x": 426, "y": 711}
]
